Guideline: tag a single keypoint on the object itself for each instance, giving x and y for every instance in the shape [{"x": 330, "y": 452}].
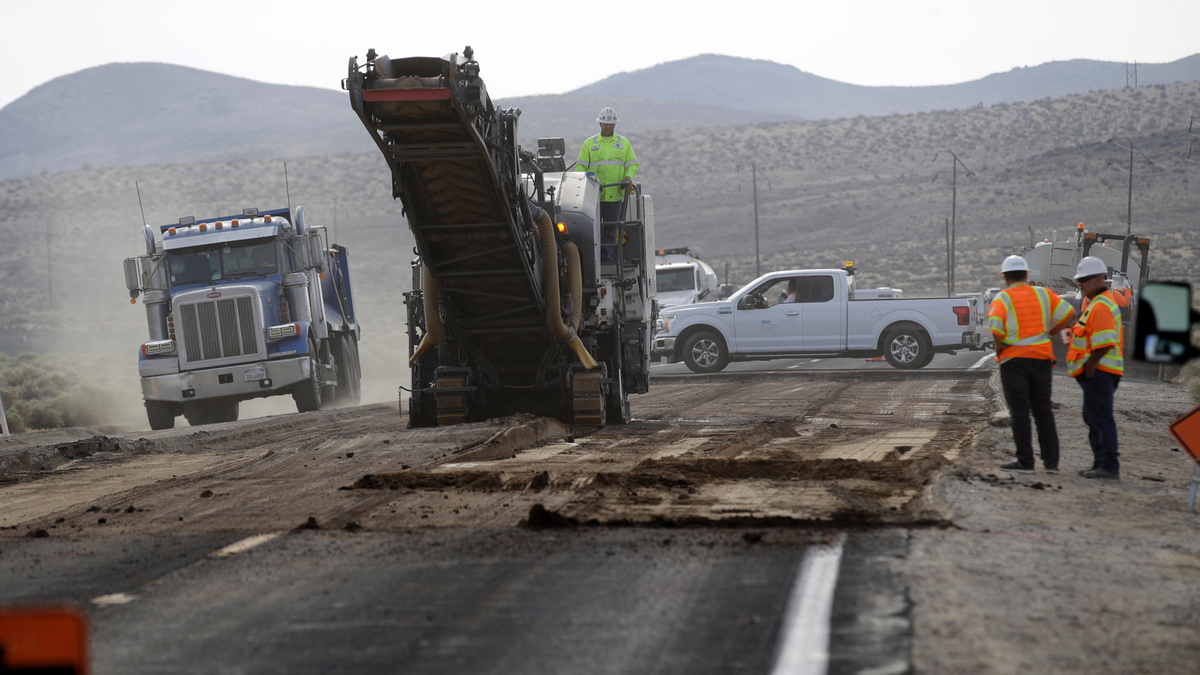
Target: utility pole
[
  {"x": 1129, "y": 217},
  {"x": 754, "y": 182},
  {"x": 952, "y": 235},
  {"x": 49, "y": 274}
]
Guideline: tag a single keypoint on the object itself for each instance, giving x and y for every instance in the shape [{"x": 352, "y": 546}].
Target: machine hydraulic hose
[
  {"x": 435, "y": 330},
  {"x": 545, "y": 227}
]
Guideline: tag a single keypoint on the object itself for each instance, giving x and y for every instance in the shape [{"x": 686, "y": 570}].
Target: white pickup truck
[{"x": 826, "y": 318}]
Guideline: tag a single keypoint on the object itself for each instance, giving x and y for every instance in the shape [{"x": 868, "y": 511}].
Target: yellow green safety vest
[{"x": 611, "y": 159}]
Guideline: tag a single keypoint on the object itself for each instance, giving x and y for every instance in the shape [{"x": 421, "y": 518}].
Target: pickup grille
[{"x": 219, "y": 329}]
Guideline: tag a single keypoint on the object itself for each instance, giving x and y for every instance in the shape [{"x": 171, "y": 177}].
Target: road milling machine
[{"x": 515, "y": 306}]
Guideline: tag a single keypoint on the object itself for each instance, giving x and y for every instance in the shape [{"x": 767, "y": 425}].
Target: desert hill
[{"x": 134, "y": 114}]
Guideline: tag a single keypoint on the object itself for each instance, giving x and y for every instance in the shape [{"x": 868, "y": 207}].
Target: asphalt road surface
[{"x": 701, "y": 538}]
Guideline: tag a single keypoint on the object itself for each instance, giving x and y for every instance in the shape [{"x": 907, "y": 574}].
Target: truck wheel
[
  {"x": 349, "y": 371},
  {"x": 307, "y": 394},
  {"x": 196, "y": 414},
  {"x": 704, "y": 352},
  {"x": 161, "y": 415},
  {"x": 907, "y": 349}
]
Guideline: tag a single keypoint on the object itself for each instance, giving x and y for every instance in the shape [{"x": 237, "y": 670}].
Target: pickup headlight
[
  {"x": 664, "y": 323},
  {"x": 285, "y": 330},
  {"x": 158, "y": 347}
]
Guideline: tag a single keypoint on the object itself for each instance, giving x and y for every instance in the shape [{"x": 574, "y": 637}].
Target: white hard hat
[
  {"x": 607, "y": 116},
  {"x": 1089, "y": 266},
  {"x": 1014, "y": 263}
]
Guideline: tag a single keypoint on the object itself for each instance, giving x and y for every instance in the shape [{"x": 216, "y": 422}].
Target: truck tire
[
  {"x": 349, "y": 390},
  {"x": 161, "y": 415},
  {"x": 907, "y": 349},
  {"x": 196, "y": 414},
  {"x": 705, "y": 352},
  {"x": 307, "y": 394}
]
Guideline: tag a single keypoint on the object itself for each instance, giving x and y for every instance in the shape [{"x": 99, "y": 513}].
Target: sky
[{"x": 552, "y": 47}]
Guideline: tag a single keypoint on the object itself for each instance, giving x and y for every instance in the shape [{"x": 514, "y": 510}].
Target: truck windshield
[
  {"x": 205, "y": 264},
  {"x": 679, "y": 279}
]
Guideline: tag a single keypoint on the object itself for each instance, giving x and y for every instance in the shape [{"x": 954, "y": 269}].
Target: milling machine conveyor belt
[{"x": 453, "y": 161}]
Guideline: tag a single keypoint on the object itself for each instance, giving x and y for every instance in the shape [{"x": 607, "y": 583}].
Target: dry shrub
[{"x": 46, "y": 397}]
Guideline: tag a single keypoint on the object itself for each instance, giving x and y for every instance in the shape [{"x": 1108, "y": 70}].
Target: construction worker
[
  {"x": 1022, "y": 319},
  {"x": 610, "y": 158},
  {"x": 1096, "y": 361}
]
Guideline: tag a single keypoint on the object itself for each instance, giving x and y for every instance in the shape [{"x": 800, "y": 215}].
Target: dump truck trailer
[{"x": 516, "y": 306}]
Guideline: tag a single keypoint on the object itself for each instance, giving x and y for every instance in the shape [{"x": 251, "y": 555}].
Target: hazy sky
[{"x": 552, "y": 47}]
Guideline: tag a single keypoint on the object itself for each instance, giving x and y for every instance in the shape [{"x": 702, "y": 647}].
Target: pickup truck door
[
  {"x": 765, "y": 323},
  {"x": 823, "y": 313}
]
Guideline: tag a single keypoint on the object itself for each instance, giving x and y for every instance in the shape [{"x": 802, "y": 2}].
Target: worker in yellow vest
[
  {"x": 1022, "y": 318},
  {"x": 1096, "y": 361},
  {"x": 609, "y": 156}
]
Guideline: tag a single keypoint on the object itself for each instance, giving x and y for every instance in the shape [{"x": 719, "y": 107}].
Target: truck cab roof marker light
[
  {"x": 266, "y": 219},
  {"x": 203, "y": 227},
  {"x": 171, "y": 231}
]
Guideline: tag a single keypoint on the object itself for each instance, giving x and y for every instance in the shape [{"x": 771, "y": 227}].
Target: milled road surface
[{"x": 341, "y": 541}]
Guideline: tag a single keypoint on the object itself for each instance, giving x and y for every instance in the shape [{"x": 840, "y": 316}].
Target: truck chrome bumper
[{"x": 198, "y": 385}]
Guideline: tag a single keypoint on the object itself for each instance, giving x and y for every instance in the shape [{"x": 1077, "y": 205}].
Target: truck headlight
[
  {"x": 664, "y": 323},
  {"x": 282, "y": 331},
  {"x": 158, "y": 347}
]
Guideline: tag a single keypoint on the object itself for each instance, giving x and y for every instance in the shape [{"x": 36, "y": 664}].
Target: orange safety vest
[
  {"x": 1021, "y": 317},
  {"x": 1098, "y": 326}
]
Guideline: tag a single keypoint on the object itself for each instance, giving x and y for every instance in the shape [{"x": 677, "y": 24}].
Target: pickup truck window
[
  {"x": 770, "y": 293},
  {"x": 815, "y": 289}
]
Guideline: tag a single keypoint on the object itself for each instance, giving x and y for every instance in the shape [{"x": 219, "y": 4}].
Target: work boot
[
  {"x": 1015, "y": 467},
  {"x": 1100, "y": 473},
  {"x": 1052, "y": 470}
]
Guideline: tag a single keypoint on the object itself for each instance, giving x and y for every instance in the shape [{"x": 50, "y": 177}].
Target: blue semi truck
[{"x": 242, "y": 307}]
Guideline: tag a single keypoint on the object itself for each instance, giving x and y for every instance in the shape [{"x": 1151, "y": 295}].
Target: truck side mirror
[
  {"x": 316, "y": 252},
  {"x": 133, "y": 276},
  {"x": 1163, "y": 332}
]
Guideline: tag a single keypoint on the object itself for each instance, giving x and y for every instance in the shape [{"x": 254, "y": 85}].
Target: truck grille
[{"x": 219, "y": 329}]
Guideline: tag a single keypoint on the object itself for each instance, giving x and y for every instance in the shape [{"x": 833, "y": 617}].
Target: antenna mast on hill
[{"x": 1131, "y": 74}]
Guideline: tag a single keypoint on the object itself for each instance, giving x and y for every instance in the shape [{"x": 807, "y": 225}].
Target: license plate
[{"x": 252, "y": 375}]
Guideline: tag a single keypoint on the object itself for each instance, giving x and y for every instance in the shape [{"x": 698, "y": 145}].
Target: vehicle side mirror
[
  {"x": 133, "y": 277},
  {"x": 316, "y": 252},
  {"x": 1163, "y": 331}
]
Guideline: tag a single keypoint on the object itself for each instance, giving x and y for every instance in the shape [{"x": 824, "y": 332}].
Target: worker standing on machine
[
  {"x": 1022, "y": 319},
  {"x": 609, "y": 156},
  {"x": 1096, "y": 361}
]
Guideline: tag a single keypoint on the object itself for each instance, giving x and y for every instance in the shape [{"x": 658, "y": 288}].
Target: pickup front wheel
[
  {"x": 705, "y": 352},
  {"x": 907, "y": 349}
]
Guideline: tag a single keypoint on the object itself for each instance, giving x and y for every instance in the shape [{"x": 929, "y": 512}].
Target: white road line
[
  {"x": 981, "y": 361},
  {"x": 804, "y": 647},
  {"x": 244, "y": 545},
  {"x": 114, "y": 599}
]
